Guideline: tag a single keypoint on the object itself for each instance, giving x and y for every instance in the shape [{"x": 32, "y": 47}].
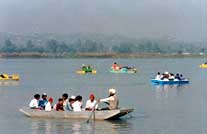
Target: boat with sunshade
[{"x": 99, "y": 115}]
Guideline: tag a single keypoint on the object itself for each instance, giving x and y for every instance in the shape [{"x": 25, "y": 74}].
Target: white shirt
[
  {"x": 91, "y": 105},
  {"x": 48, "y": 107},
  {"x": 158, "y": 77},
  {"x": 111, "y": 98},
  {"x": 33, "y": 103},
  {"x": 77, "y": 106}
]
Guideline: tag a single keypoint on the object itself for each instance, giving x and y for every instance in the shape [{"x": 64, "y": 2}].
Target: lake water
[{"x": 158, "y": 110}]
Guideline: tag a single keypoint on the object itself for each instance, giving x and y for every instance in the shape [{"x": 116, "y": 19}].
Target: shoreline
[{"x": 98, "y": 55}]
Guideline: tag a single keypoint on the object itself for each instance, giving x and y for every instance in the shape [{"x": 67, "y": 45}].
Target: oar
[{"x": 92, "y": 113}]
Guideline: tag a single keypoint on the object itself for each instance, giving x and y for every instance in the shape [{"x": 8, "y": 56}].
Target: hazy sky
[{"x": 181, "y": 19}]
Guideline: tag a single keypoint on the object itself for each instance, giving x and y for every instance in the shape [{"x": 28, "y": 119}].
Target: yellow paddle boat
[
  {"x": 86, "y": 72},
  {"x": 9, "y": 77},
  {"x": 203, "y": 65}
]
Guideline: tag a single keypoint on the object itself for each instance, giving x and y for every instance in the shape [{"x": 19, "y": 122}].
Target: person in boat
[
  {"x": 165, "y": 76},
  {"x": 89, "y": 69},
  {"x": 42, "y": 103},
  {"x": 177, "y": 76},
  {"x": 77, "y": 105},
  {"x": 171, "y": 76},
  {"x": 65, "y": 101},
  {"x": 112, "y": 100},
  {"x": 71, "y": 101},
  {"x": 158, "y": 77},
  {"x": 115, "y": 66},
  {"x": 84, "y": 68},
  {"x": 48, "y": 106},
  {"x": 34, "y": 102},
  {"x": 59, "y": 105},
  {"x": 91, "y": 103}
]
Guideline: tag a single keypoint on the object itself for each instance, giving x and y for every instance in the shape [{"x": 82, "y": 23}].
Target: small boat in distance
[
  {"x": 184, "y": 81},
  {"x": 124, "y": 70},
  {"x": 204, "y": 65},
  {"x": 14, "y": 77},
  {"x": 86, "y": 70},
  {"x": 99, "y": 115}
]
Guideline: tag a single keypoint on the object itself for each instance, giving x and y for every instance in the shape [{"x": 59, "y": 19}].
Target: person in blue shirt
[{"x": 42, "y": 103}]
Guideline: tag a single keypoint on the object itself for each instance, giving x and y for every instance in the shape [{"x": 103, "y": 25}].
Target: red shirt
[{"x": 59, "y": 107}]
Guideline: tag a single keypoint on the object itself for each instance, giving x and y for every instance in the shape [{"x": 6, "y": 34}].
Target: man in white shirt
[
  {"x": 77, "y": 105},
  {"x": 48, "y": 106},
  {"x": 34, "y": 102},
  {"x": 91, "y": 103},
  {"x": 112, "y": 100}
]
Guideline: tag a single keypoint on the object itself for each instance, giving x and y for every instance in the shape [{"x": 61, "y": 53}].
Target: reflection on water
[
  {"x": 50, "y": 126},
  {"x": 9, "y": 83},
  {"x": 162, "y": 91}
]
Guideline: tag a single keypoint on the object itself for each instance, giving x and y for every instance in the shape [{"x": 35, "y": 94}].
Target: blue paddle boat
[{"x": 175, "y": 81}]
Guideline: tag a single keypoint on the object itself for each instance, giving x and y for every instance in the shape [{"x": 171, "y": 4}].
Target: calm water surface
[{"x": 158, "y": 109}]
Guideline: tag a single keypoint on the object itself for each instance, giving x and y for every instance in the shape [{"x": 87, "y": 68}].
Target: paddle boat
[
  {"x": 85, "y": 72},
  {"x": 175, "y": 81},
  {"x": 203, "y": 65},
  {"x": 124, "y": 70},
  {"x": 14, "y": 77},
  {"x": 99, "y": 115}
]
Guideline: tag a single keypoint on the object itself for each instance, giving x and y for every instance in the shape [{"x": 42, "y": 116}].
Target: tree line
[{"x": 92, "y": 46}]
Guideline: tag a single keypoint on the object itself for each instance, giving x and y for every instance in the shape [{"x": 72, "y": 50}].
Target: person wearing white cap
[
  {"x": 69, "y": 106},
  {"x": 112, "y": 100}
]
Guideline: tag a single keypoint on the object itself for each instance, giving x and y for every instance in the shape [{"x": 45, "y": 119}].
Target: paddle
[{"x": 92, "y": 113}]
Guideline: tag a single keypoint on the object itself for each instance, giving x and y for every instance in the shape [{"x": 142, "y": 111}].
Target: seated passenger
[
  {"x": 84, "y": 68},
  {"x": 59, "y": 105},
  {"x": 115, "y": 66},
  {"x": 91, "y": 103},
  {"x": 77, "y": 105},
  {"x": 48, "y": 106},
  {"x": 112, "y": 100},
  {"x": 177, "y": 76},
  {"x": 158, "y": 77},
  {"x": 171, "y": 76},
  {"x": 89, "y": 69},
  {"x": 34, "y": 102},
  {"x": 42, "y": 103},
  {"x": 65, "y": 100},
  {"x": 71, "y": 101}
]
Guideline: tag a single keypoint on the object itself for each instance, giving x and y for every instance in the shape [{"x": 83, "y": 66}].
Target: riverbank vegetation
[{"x": 53, "y": 45}]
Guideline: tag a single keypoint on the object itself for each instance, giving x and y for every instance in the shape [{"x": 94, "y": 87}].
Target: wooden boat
[
  {"x": 84, "y": 72},
  {"x": 14, "y": 77},
  {"x": 99, "y": 115},
  {"x": 203, "y": 65},
  {"x": 184, "y": 81},
  {"x": 124, "y": 70}
]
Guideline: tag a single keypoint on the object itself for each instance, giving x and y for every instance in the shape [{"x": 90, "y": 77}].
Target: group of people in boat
[
  {"x": 169, "y": 76},
  {"x": 118, "y": 67},
  {"x": 86, "y": 68},
  {"x": 74, "y": 103}
]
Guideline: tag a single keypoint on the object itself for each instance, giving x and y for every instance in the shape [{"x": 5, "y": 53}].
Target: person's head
[
  {"x": 92, "y": 97},
  {"x": 50, "y": 100},
  {"x": 115, "y": 63},
  {"x": 65, "y": 96},
  {"x": 78, "y": 98},
  {"x": 44, "y": 96},
  {"x": 158, "y": 73},
  {"x": 37, "y": 96},
  {"x": 71, "y": 101},
  {"x": 60, "y": 101},
  {"x": 112, "y": 91}
]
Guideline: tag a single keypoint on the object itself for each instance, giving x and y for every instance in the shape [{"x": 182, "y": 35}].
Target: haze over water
[{"x": 168, "y": 109}]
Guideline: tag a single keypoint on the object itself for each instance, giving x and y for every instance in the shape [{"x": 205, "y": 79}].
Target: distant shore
[{"x": 98, "y": 55}]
